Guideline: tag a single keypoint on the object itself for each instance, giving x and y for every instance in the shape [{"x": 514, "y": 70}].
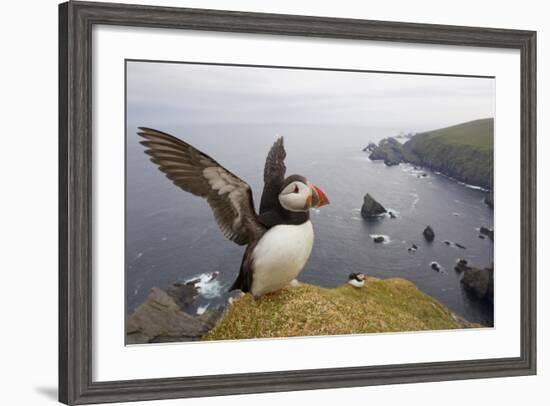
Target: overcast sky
[{"x": 204, "y": 94}]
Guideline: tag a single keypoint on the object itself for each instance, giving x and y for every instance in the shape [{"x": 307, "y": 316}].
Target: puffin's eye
[{"x": 296, "y": 189}]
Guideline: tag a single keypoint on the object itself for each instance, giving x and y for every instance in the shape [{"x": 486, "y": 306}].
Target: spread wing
[
  {"x": 195, "y": 172},
  {"x": 274, "y": 176}
]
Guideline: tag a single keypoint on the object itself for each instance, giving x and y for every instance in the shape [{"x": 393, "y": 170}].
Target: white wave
[
  {"x": 416, "y": 198},
  {"x": 416, "y": 171},
  {"x": 202, "y": 309},
  {"x": 387, "y": 239},
  {"x": 473, "y": 187},
  {"x": 459, "y": 182},
  {"x": 396, "y": 213},
  {"x": 375, "y": 216},
  {"x": 208, "y": 285}
]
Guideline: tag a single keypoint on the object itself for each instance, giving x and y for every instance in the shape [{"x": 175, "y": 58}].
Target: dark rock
[
  {"x": 135, "y": 336},
  {"x": 435, "y": 266},
  {"x": 392, "y": 215},
  {"x": 378, "y": 239},
  {"x": 461, "y": 265},
  {"x": 428, "y": 233},
  {"x": 371, "y": 208},
  {"x": 489, "y": 200},
  {"x": 481, "y": 237},
  {"x": 447, "y": 242},
  {"x": 369, "y": 148},
  {"x": 460, "y": 246},
  {"x": 160, "y": 319},
  {"x": 488, "y": 232},
  {"x": 423, "y": 175},
  {"x": 414, "y": 246},
  {"x": 388, "y": 150},
  {"x": 480, "y": 282},
  {"x": 183, "y": 293}
]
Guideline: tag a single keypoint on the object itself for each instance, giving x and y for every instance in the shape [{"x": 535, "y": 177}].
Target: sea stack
[
  {"x": 435, "y": 266},
  {"x": 487, "y": 232},
  {"x": 388, "y": 150},
  {"x": 428, "y": 233},
  {"x": 371, "y": 208},
  {"x": 480, "y": 282},
  {"x": 461, "y": 265}
]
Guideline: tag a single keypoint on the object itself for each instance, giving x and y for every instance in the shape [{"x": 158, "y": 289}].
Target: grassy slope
[
  {"x": 478, "y": 133},
  {"x": 387, "y": 305},
  {"x": 463, "y": 151}
]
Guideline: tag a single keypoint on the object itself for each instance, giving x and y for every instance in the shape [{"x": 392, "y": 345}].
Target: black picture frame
[{"x": 76, "y": 20}]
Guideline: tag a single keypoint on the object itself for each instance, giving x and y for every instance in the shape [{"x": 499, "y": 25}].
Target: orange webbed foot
[{"x": 275, "y": 292}]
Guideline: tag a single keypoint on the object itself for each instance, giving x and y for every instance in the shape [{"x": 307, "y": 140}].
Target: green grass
[
  {"x": 389, "y": 305},
  {"x": 478, "y": 133}
]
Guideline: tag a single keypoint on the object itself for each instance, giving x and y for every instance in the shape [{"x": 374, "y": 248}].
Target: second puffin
[{"x": 279, "y": 240}]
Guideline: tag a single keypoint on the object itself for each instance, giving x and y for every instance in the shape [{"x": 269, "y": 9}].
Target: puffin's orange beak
[{"x": 318, "y": 197}]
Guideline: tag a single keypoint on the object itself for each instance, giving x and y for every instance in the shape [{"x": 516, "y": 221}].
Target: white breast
[
  {"x": 356, "y": 283},
  {"x": 280, "y": 256}
]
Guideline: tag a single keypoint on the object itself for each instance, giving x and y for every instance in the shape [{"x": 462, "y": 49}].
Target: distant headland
[{"x": 463, "y": 152}]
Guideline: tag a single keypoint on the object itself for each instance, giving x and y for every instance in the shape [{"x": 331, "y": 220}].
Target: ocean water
[{"x": 171, "y": 235}]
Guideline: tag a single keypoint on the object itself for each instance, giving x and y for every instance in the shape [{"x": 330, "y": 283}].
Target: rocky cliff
[
  {"x": 382, "y": 305},
  {"x": 463, "y": 152}
]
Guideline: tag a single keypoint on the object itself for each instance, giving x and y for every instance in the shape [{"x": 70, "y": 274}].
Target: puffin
[
  {"x": 278, "y": 239},
  {"x": 357, "y": 279}
]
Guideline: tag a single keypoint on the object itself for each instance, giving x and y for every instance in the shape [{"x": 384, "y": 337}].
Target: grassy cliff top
[
  {"x": 477, "y": 133},
  {"x": 388, "y": 305}
]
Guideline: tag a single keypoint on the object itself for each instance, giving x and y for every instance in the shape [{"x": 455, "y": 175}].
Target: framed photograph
[{"x": 259, "y": 202}]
